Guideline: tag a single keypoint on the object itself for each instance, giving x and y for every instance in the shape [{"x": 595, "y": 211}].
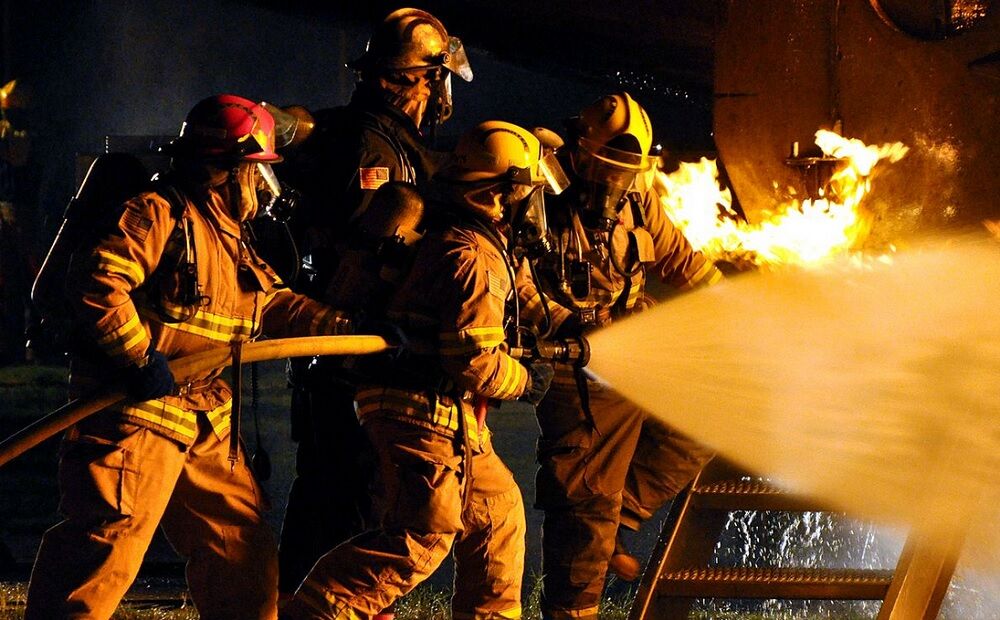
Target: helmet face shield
[
  {"x": 456, "y": 61},
  {"x": 618, "y": 158},
  {"x": 292, "y": 125},
  {"x": 556, "y": 180},
  {"x": 549, "y": 175}
]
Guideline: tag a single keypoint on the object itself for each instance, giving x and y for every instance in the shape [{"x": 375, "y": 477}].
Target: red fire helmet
[{"x": 226, "y": 127}]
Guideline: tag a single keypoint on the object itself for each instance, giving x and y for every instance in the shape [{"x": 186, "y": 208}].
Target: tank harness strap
[{"x": 234, "y": 423}]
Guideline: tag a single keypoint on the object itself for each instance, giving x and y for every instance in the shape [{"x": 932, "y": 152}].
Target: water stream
[{"x": 873, "y": 386}]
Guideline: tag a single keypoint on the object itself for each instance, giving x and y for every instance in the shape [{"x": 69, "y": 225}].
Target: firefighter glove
[
  {"x": 150, "y": 378},
  {"x": 571, "y": 327},
  {"x": 540, "y": 374}
]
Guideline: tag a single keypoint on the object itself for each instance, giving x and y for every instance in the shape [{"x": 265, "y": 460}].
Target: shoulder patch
[
  {"x": 373, "y": 178},
  {"x": 135, "y": 224},
  {"x": 496, "y": 284}
]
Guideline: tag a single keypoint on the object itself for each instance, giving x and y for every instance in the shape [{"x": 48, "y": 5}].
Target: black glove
[
  {"x": 572, "y": 327},
  {"x": 150, "y": 379},
  {"x": 540, "y": 374}
]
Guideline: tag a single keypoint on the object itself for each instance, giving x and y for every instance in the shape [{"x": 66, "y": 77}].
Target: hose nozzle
[{"x": 575, "y": 350}]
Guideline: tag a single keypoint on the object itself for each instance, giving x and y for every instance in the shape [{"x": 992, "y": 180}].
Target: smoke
[{"x": 872, "y": 387}]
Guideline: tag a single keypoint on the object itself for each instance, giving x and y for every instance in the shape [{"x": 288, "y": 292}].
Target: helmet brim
[{"x": 182, "y": 148}]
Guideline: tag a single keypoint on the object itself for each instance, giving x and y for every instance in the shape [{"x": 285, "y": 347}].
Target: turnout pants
[
  {"x": 118, "y": 481},
  {"x": 423, "y": 477},
  {"x": 593, "y": 476}
]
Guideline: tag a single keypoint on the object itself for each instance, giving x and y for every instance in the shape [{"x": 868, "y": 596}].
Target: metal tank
[{"x": 925, "y": 73}]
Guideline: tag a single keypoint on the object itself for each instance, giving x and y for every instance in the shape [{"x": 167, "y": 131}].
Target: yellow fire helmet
[
  {"x": 615, "y": 130},
  {"x": 502, "y": 151},
  {"x": 413, "y": 39}
]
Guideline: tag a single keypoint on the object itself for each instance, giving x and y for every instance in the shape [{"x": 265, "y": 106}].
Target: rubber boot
[{"x": 622, "y": 563}]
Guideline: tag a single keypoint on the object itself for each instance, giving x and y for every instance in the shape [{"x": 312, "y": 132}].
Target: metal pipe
[{"x": 184, "y": 369}]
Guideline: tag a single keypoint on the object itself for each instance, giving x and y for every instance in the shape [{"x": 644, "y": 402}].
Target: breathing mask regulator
[
  {"x": 275, "y": 200},
  {"x": 526, "y": 206}
]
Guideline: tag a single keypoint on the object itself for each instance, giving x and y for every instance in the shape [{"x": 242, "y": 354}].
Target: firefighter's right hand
[
  {"x": 150, "y": 379},
  {"x": 540, "y": 374}
]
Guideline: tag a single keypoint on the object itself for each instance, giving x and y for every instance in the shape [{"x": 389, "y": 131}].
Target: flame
[
  {"x": 5, "y": 93},
  {"x": 809, "y": 232}
]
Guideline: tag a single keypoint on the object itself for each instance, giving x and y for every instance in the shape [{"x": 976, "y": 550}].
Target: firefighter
[
  {"x": 608, "y": 233},
  {"x": 403, "y": 92},
  {"x": 176, "y": 276},
  {"x": 440, "y": 484}
]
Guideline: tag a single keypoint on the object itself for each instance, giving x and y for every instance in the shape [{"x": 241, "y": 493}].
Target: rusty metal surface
[{"x": 802, "y": 65}]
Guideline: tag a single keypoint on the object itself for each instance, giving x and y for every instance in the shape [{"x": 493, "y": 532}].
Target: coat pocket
[
  {"x": 424, "y": 493},
  {"x": 98, "y": 476}
]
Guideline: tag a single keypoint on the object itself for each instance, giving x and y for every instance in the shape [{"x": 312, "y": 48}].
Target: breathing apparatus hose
[
  {"x": 184, "y": 369},
  {"x": 622, "y": 271}
]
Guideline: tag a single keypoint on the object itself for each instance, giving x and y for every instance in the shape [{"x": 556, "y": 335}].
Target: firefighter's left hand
[
  {"x": 540, "y": 374},
  {"x": 150, "y": 380}
]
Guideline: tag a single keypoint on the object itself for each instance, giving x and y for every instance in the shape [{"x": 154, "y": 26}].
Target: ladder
[{"x": 678, "y": 570}]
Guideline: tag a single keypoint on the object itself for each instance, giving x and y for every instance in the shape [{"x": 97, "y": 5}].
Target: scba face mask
[
  {"x": 275, "y": 200},
  {"x": 530, "y": 225},
  {"x": 608, "y": 174}
]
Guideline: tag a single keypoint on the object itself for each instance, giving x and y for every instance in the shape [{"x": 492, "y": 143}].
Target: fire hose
[{"x": 184, "y": 369}]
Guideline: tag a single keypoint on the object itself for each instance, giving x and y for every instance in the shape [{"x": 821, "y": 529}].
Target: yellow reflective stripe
[
  {"x": 633, "y": 296},
  {"x": 510, "y": 378},
  {"x": 446, "y": 415},
  {"x": 514, "y": 613},
  {"x": 205, "y": 324},
  {"x": 569, "y": 614},
  {"x": 470, "y": 340},
  {"x": 180, "y": 421},
  {"x": 411, "y": 404},
  {"x": 123, "y": 338},
  {"x": 236, "y": 324},
  {"x": 707, "y": 275},
  {"x": 220, "y": 418},
  {"x": 714, "y": 277},
  {"x": 116, "y": 265}
]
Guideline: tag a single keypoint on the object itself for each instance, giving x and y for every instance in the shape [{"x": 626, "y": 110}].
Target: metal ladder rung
[
  {"x": 749, "y": 494},
  {"x": 784, "y": 583}
]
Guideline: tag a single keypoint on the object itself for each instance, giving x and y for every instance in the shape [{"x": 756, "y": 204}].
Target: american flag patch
[
  {"x": 135, "y": 224},
  {"x": 373, "y": 178},
  {"x": 496, "y": 284}
]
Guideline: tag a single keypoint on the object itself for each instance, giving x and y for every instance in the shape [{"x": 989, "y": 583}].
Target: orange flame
[{"x": 807, "y": 232}]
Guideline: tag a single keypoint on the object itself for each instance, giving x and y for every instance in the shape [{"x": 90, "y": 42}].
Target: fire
[{"x": 805, "y": 232}]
